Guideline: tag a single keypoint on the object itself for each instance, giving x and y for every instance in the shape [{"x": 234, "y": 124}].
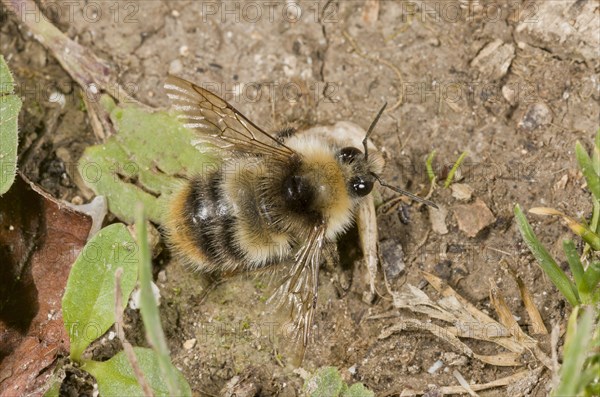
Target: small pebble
[
  {"x": 536, "y": 115},
  {"x": 189, "y": 344},
  {"x": 494, "y": 59},
  {"x": 175, "y": 67},
  {"x": 437, "y": 217},
  {"x": 472, "y": 218},
  {"x": 461, "y": 191}
]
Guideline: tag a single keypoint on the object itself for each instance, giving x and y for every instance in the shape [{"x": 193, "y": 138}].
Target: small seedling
[
  {"x": 450, "y": 177},
  {"x": 327, "y": 382},
  {"x": 89, "y": 311},
  {"x": 580, "y": 371}
]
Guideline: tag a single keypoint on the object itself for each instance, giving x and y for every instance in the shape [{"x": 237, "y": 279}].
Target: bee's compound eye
[
  {"x": 361, "y": 186},
  {"x": 348, "y": 154}
]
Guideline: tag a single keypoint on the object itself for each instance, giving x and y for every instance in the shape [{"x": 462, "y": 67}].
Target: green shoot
[
  {"x": 545, "y": 260},
  {"x": 457, "y": 164},
  {"x": 149, "y": 310},
  {"x": 429, "y": 167},
  {"x": 579, "y": 372}
]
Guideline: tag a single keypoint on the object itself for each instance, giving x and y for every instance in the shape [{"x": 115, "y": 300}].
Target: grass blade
[
  {"x": 596, "y": 153},
  {"x": 545, "y": 260},
  {"x": 592, "y": 277},
  {"x": 149, "y": 310},
  {"x": 429, "y": 167},
  {"x": 579, "y": 335},
  {"x": 450, "y": 176},
  {"x": 587, "y": 169},
  {"x": 576, "y": 268}
]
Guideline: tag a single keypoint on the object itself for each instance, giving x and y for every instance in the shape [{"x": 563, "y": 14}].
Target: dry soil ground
[{"x": 494, "y": 79}]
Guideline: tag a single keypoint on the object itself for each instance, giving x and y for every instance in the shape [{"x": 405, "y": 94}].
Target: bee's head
[
  {"x": 362, "y": 169},
  {"x": 365, "y": 169}
]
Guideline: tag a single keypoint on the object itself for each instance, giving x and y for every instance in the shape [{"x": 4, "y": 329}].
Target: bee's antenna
[
  {"x": 371, "y": 127},
  {"x": 404, "y": 192}
]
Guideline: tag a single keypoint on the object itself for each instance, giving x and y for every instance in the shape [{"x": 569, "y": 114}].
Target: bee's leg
[
  {"x": 367, "y": 231},
  {"x": 284, "y": 134},
  {"x": 341, "y": 279}
]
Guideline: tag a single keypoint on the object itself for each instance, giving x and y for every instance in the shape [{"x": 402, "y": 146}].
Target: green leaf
[
  {"x": 89, "y": 300},
  {"x": 358, "y": 390},
  {"x": 592, "y": 277},
  {"x": 54, "y": 390},
  {"x": 10, "y": 105},
  {"x": 143, "y": 162},
  {"x": 150, "y": 313},
  {"x": 587, "y": 169},
  {"x": 116, "y": 377},
  {"x": 574, "y": 263},
  {"x": 545, "y": 260},
  {"x": 326, "y": 382},
  {"x": 596, "y": 153},
  {"x": 577, "y": 345}
]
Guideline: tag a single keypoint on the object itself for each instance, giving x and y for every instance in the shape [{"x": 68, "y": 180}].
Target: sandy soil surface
[{"x": 494, "y": 80}]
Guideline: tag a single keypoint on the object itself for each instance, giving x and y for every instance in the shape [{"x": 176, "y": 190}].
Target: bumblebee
[{"x": 274, "y": 200}]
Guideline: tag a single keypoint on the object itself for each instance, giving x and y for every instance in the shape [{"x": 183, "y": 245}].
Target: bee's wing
[
  {"x": 219, "y": 123},
  {"x": 297, "y": 294}
]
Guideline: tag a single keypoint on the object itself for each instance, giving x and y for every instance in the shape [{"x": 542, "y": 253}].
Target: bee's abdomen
[{"x": 220, "y": 226}]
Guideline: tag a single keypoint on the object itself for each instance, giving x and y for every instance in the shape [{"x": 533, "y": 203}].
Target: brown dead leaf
[{"x": 39, "y": 239}]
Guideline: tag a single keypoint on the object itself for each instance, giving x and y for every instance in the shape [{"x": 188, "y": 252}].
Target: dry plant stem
[
  {"x": 482, "y": 318},
  {"x": 532, "y": 311},
  {"x": 89, "y": 71},
  {"x": 450, "y": 335},
  {"x": 509, "y": 380},
  {"x": 97, "y": 126},
  {"x": 127, "y": 348},
  {"x": 465, "y": 385},
  {"x": 506, "y": 316},
  {"x": 368, "y": 238},
  {"x": 513, "y": 338},
  {"x": 508, "y": 321}
]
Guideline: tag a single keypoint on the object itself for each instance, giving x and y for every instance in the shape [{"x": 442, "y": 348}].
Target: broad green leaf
[
  {"x": 326, "y": 382},
  {"x": 143, "y": 162},
  {"x": 115, "y": 377},
  {"x": 545, "y": 260},
  {"x": 10, "y": 105},
  {"x": 89, "y": 300},
  {"x": 149, "y": 310}
]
